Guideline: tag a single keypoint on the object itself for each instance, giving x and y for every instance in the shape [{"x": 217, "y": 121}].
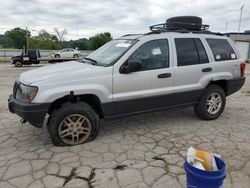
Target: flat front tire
[
  {"x": 73, "y": 124},
  {"x": 211, "y": 104}
]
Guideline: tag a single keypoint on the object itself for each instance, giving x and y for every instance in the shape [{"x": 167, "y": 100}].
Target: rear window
[{"x": 221, "y": 49}]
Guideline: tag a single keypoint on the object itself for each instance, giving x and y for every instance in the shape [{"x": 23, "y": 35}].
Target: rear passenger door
[{"x": 191, "y": 65}]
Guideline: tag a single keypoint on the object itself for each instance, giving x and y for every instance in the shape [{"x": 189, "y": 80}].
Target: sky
[{"x": 85, "y": 18}]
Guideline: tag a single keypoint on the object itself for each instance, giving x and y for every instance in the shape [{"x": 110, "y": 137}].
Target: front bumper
[
  {"x": 234, "y": 85},
  {"x": 34, "y": 113}
]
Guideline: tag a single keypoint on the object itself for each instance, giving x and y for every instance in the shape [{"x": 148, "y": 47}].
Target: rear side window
[
  {"x": 221, "y": 49},
  {"x": 190, "y": 51}
]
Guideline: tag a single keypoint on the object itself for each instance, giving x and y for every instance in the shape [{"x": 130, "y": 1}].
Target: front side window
[
  {"x": 152, "y": 55},
  {"x": 190, "y": 51},
  {"x": 221, "y": 49}
]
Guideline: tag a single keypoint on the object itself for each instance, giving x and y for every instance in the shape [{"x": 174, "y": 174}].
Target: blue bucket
[{"x": 197, "y": 178}]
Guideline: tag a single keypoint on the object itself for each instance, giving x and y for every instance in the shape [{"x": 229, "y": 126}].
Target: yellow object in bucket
[
  {"x": 202, "y": 159},
  {"x": 206, "y": 158}
]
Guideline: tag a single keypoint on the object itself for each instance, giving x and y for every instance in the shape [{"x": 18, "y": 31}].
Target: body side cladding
[
  {"x": 234, "y": 85},
  {"x": 149, "y": 104}
]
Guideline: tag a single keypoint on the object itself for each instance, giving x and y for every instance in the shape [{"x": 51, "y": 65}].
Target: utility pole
[
  {"x": 241, "y": 10},
  {"x": 226, "y": 24},
  {"x": 27, "y": 39},
  {"x": 226, "y": 27},
  {"x": 76, "y": 31}
]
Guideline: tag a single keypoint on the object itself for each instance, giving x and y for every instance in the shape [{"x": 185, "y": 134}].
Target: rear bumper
[
  {"x": 34, "y": 113},
  {"x": 234, "y": 85}
]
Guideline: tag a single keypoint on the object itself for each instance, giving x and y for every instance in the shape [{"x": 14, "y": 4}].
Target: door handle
[
  {"x": 164, "y": 75},
  {"x": 208, "y": 69}
]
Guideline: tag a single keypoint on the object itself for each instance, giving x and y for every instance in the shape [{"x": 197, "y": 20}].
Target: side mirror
[{"x": 131, "y": 66}]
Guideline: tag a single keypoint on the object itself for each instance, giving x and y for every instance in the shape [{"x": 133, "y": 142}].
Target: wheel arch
[
  {"x": 90, "y": 99},
  {"x": 221, "y": 83}
]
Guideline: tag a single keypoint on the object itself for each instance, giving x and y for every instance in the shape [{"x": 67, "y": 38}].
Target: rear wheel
[
  {"x": 18, "y": 63},
  {"x": 73, "y": 124},
  {"x": 75, "y": 56},
  {"x": 212, "y": 103}
]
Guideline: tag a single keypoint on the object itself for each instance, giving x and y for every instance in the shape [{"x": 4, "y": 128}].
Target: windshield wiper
[{"x": 94, "y": 62}]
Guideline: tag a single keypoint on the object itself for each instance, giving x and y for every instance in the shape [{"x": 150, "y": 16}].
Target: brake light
[{"x": 242, "y": 69}]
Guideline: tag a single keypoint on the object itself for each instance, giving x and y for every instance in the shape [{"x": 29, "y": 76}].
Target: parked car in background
[{"x": 67, "y": 53}]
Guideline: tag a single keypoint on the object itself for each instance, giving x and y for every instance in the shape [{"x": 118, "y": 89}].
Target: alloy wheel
[
  {"x": 74, "y": 129},
  {"x": 214, "y": 103}
]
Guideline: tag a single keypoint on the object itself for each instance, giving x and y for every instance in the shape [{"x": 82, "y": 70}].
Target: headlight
[{"x": 26, "y": 93}]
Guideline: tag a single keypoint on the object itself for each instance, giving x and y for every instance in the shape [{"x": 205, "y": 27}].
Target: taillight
[{"x": 242, "y": 69}]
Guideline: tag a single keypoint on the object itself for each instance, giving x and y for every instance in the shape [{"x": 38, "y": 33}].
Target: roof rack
[
  {"x": 131, "y": 35},
  {"x": 173, "y": 26},
  {"x": 178, "y": 27}
]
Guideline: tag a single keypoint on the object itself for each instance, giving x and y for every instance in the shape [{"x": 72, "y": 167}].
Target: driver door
[{"x": 149, "y": 88}]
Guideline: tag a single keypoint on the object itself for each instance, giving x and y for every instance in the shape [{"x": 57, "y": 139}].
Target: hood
[
  {"x": 15, "y": 57},
  {"x": 60, "y": 72}
]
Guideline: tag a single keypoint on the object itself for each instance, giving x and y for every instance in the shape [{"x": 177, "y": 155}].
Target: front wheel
[
  {"x": 18, "y": 63},
  {"x": 73, "y": 124},
  {"x": 211, "y": 104}
]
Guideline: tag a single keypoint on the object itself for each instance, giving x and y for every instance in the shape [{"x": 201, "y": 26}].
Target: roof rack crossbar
[{"x": 184, "y": 31}]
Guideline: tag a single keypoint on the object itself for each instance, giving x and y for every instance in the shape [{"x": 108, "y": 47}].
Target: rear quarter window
[{"x": 221, "y": 49}]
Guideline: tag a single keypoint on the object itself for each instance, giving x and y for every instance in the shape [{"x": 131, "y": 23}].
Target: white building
[{"x": 242, "y": 41}]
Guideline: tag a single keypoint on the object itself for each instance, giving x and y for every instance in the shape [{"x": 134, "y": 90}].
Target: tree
[
  {"x": 82, "y": 44},
  {"x": 61, "y": 34},
  {"x": 99, "y": 40},
  {"x": 17, "y": 36},
  {"x": 44, "y": 40},
  {"x": 5, "y": 42}
]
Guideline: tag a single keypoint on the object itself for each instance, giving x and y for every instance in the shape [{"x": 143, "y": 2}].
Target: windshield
[{"x": 110, "y": 51}]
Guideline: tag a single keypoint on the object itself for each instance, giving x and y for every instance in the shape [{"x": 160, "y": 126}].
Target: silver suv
[{"x": 179, "y": 63}]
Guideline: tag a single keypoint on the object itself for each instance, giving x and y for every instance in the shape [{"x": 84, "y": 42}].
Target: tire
[
  {"x": 204, "y": 108},
  {"x": 75, "y": 56},
  {"x": 18, "y": 64},
  {"x": 57, "y": 56},
  {"x": 59, "y": 124}
]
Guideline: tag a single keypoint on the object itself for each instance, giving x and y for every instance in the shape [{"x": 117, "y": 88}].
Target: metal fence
[{"x": 6, "y": 54}]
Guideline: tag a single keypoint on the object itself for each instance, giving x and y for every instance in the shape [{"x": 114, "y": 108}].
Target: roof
[
  {"x": 131, "y": 36},
  {"x": 236, "y": 33}
]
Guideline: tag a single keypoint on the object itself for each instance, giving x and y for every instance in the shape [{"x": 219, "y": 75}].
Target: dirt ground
[{"x": 123, "y": 155}]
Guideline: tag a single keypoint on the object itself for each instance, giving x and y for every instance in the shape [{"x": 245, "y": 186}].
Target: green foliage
[
  {"x": 99, "y": 40},
  {"x": 82, "y": 44},
  {"x": 44, "y": 41},
  {"x": 5, "y": 42},
  {"x": 88, "y": 44},
  {"x": 17, "y": 36}
]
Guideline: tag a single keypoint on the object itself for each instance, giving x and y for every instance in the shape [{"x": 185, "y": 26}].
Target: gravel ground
[{"x": 123, "y": 153}]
